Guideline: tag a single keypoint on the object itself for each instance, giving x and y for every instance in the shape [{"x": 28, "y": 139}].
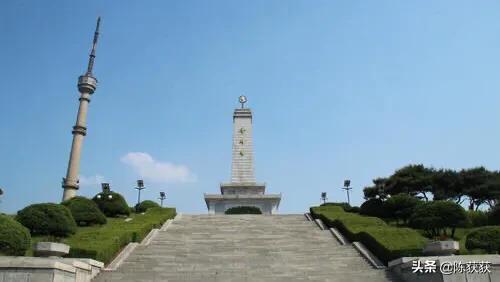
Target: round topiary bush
[
  {"x": 15, "y": 239},
  {"x": 486, "y": 238},
  {"x": 112, "y": 204},
  {"x": 47, "y": 219},
  {"x": 243, "y": 210},
  {"x": 145, "y": 205},
  {"x": 85, "y": 211},
  {"x": 374, "y": 207}
]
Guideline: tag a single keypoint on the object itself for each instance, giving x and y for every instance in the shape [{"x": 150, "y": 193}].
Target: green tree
[
  {"x": 414, "y": 180},
  {"x": 476, "y": 184},
  {"x": 447, "y": 185},
  {"x": 492, "y": 190},
  {"x": 435, "y": 216},
  {"x": 377, "y": 190},
  {"x": 401, "y": 206}
]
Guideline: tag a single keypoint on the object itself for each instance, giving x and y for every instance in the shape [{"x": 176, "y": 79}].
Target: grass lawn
[{"x": 103, "y": 242}]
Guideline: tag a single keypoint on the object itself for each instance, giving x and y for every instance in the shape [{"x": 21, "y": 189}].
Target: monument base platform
[{"x": 218, "y": 204}]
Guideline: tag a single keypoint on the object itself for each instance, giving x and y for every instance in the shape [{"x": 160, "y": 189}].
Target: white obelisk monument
[
  {"x": 243, "y": 190},
  {"x": 87, "y": 84}
]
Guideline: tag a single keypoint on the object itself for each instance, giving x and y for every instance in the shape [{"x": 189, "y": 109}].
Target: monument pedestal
[{"x": 242, "y": 194}]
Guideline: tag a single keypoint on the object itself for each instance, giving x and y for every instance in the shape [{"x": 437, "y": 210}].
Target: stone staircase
[{"x": 244, "y": 248}]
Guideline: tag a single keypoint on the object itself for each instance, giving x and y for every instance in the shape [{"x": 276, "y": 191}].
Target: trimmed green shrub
[
  {"x": 243, "y": 210},
  {"x": 354, "y": 209},
  {"x": 103, "y": 242},
  {"x": 145, "y": 205},
  {"x": 477, "y": 218},
  {"x": 112, "y": 204},
  {"x": 435, "y": 216},
  {"x": 374, "y": 207},
  {"x": 47, "y": 219},
  {"x": 85, "y": 211},
  {"x": 494, "y": 215},
  {"x": 15, "y": 239},
  {"x": 385, "y": 241},
  {"x": 486, "y": 238},
  {"x": 344, "y": 206},
  {"x": 401, "y": 206}
]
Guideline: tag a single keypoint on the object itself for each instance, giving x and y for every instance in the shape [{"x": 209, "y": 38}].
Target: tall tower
[
  {"x": 87, "y": 84},
  {"x": 243, "y": 190}
]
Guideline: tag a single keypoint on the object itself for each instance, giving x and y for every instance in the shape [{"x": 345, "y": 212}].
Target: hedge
[
  {"x": 102, "y": 243},
  {"x": 14, "y": 238},
  {"x": 343, "y": 205},
  {"x": 243, "y": 210},
  {"x": 485, "y": 238},
  {"x": 47, "y": 219},
  {"x": 386, "y": 242}
]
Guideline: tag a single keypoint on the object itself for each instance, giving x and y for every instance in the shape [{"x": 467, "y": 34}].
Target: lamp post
[
  {"x": 346, "y": 187},
  {"x": 323, "y": 197},
  {"x": 140, "y": 186},
  {"x": 162, "y": 197}
]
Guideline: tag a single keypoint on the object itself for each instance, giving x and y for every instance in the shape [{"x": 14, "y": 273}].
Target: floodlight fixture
[
  {"x": 162, "y": 197},
  {"x": 105, "y": 187},
  {"x": 346, "y": 187},
  {"x": 140, "y": 186},
  {"x": 323, "y": 197}
]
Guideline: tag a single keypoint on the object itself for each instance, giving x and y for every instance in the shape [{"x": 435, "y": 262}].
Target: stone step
[{"x": 244, "y": 248}]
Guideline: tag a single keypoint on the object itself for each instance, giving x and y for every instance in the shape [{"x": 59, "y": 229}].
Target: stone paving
[{"x": 244, "y": 248}]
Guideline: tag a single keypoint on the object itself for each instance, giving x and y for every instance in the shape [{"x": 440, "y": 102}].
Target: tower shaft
[
  {"x": 87, "y": 84},
  {"x": 242, "y": 168}
]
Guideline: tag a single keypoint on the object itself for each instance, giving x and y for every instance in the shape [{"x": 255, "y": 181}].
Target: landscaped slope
[
  {"x": 385, "y": 241},
  {"x": 103, "y": 242}
]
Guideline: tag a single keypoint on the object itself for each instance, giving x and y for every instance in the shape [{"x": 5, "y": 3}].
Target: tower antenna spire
[{"x": 94, "y": 45}]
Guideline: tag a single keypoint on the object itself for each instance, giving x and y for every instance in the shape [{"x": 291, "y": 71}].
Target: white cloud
[
  {"x": 157, "y": 171},
  {"x": 87, "y": 181}
]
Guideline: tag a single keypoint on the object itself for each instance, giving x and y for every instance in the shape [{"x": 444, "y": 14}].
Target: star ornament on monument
[{"x": 243, "y": 100}]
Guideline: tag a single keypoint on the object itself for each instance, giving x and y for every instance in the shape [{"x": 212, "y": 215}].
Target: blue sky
[{"x": 339, "y": 89}]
